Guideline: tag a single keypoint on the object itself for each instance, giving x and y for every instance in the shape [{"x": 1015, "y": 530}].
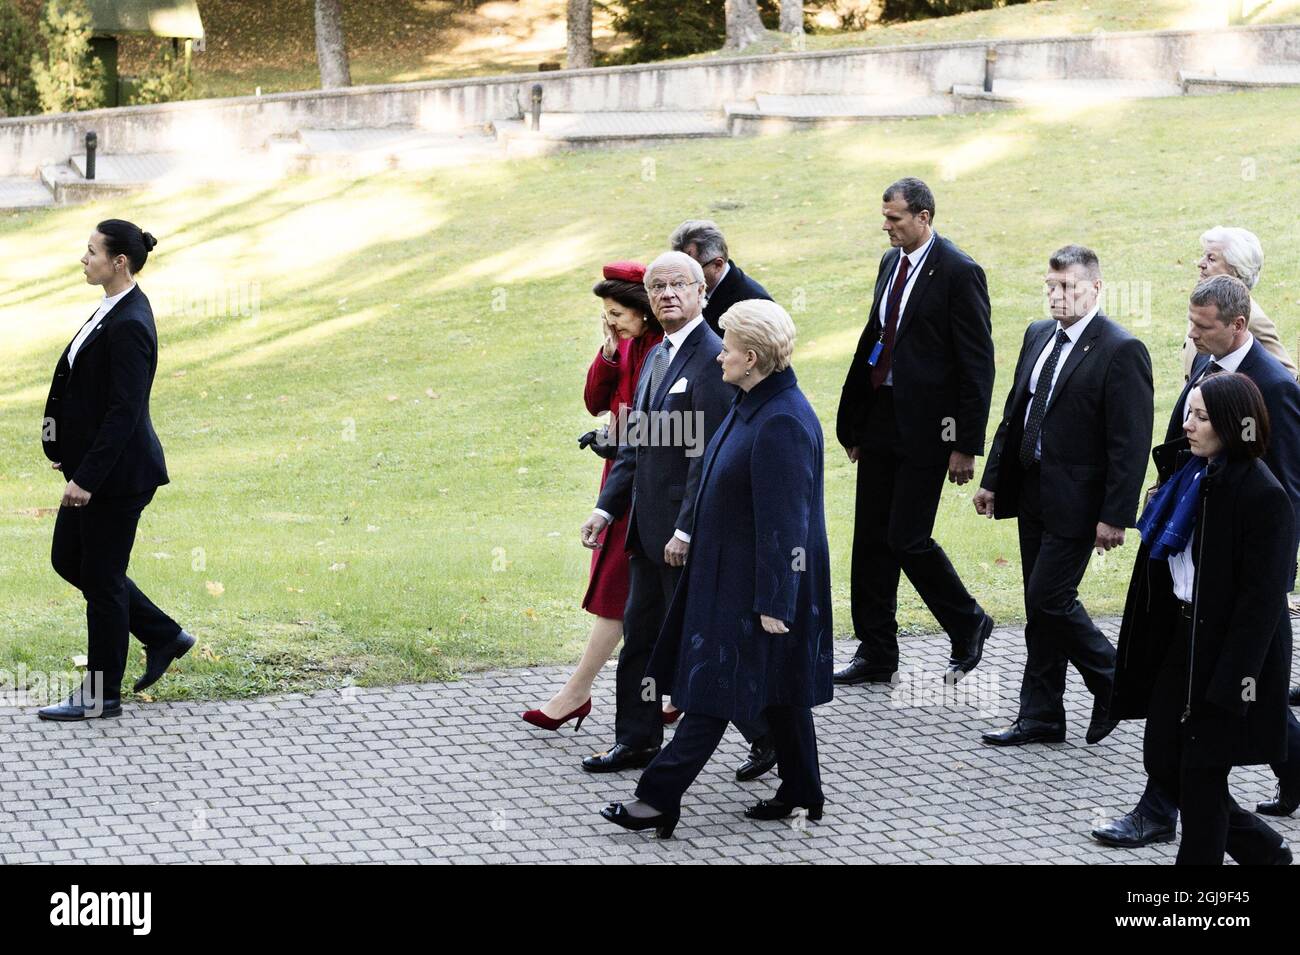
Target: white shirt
[
  {"x": 1229, "y": 363},
  {"x": 1073, "y": 333},
  {"x": 914, "y": 260},
  {"x": 1183, "y": 570},
  {"x": 674, "y": 342},
  {"x": 105, "y": 307}
]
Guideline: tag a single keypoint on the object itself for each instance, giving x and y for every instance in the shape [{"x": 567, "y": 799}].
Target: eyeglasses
[{"x": 677, "y": 285}]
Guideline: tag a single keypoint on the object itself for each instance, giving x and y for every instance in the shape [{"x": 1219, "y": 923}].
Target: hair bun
[{"x": 149, "y": 241}]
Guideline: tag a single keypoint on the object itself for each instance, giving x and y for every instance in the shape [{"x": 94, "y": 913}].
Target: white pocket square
[{"x": 678, "y": 387}]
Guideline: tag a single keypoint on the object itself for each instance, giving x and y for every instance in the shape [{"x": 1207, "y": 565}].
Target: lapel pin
[
  {"x": 1086, "y": 347},
  {"x": 931, "y": 272}
]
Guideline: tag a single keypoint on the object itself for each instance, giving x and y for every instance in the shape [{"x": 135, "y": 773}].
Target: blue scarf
[{"x": 1168, "y": 521}]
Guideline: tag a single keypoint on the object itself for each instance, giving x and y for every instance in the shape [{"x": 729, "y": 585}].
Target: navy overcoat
[{"x": 758, "y": 546}]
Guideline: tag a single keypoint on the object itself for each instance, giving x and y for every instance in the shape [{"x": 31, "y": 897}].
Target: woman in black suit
[
  {"x": 97, "y": 432},
  {"x": 1205, "y": 646}
]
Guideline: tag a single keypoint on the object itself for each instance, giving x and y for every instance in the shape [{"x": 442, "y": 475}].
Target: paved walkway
[{"x": 448, "y": 773}]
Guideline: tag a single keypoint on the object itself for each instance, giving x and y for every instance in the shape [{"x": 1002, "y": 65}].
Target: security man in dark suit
[
  {"x": 913, "y": 410},
  {"x": 1218, "y": 315},
  {"x": 97, "y": 432},
  {"x": 1068, "y": 461},
  {"x": 725, "y": 283},
  {"x": 681, "y": 400}
]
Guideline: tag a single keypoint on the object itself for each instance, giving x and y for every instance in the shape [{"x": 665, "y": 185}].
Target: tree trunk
[
  {"x": 331, "y": 51},
  {"x": 743, "y": 24},
  {"x": 578, "y": 21},
  {"x": 791, "y": 16}
]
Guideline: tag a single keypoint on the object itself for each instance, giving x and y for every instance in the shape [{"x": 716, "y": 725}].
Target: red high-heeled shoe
[
  {"x": 538, "y": 718},
  {"x": 670, "y": 718}
]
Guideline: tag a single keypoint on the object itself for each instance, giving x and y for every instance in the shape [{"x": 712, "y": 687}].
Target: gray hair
[
  {"x": 1080, "y": 255},
  {"x": 1227, "y": 294},
  {"x": 1241, "y": 251},
  {"x": 704, "y": 234},
  {"x": 667, "y": 259},
  {"x": 765, "y": 328}
]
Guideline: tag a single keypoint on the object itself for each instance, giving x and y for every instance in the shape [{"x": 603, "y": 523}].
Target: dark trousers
[
  {"x": 637, "y": 720},
  {"x": 1058, "y": 628},
  {"x": 1212, "y": 821},
  {"x": 897, "y": 499},
  {"x": 671, "y": 773},
  {"x": 1161, "y": 805},
  {"x": 91, "y": 550}
]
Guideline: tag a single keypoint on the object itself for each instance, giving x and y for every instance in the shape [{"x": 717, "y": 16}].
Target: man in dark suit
[
  {"x": 726, "y": 284},
  {"x": 1219, "y": 313},
  {"x": 681, "y": 400},
  {"x": 1068, "y": 461},
  {"x": 98, "y": 433},
  {"x": 913, "y": 409}
]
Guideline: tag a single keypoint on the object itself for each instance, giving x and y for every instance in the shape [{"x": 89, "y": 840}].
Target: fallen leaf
[{"x": 215, "y": 588}]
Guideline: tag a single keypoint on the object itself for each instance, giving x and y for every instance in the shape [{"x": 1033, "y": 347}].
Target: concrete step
[
  {"x": 1014, "y": 94},
  {"x": 24, "y": 192},
  {"x": 1227, "y": 79},
  {"x": 583, "y": 130},
  {"x": 775, "y": 112},
  {"x": 361, "y": 151}
]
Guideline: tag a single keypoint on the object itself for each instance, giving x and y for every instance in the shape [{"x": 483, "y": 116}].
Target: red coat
[{"x": 610, "y": 387}]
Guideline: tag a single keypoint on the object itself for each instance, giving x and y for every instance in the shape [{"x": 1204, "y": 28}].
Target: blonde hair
[{"x": 765, "y": 328}]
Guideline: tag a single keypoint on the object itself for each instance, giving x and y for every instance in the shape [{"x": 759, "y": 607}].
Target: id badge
[{"x": 875, "y": 354}]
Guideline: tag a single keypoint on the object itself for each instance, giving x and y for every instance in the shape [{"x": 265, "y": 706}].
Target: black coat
[
  {"x": 97, "y": 414},
  {"x": 657, "y": 482},
  {"x": 1095, "y": 434},
  {"x": 943, "y": 359},
  {"x": 735, "y": 287},
  {"x": 759, "y": 547},
  {"x": 1241, "y": 650}
]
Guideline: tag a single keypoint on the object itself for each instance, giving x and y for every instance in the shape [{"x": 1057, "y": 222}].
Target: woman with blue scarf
[{"x": 1204, "y": 650}]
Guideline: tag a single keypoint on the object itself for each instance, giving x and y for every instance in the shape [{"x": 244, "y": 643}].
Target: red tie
[{"x": 886, "y": 360}]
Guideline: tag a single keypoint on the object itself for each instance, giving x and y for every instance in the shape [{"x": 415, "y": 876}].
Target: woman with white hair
[
  {"x": 749, "y": 633},
  {"x": 1228, "y": 250}
]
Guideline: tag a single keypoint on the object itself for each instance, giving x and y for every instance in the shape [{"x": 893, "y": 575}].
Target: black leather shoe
[
  {"x": 1278, "y": 806},
  {"x": 771, "y": 809},
  {"x": 860, "y": 671},
  {"x": 81, "y": 707},
  {"x": 1283, "y": 854},
  {"x": 967, "y": 654},
  {"x": 1100, "y": 727},
  {"x": 619, "y": 757},
  {"x": 1293, "y": 698},
  {"x": 663, "y": 824},
  {"x": 762, "y": 757},
  {"x": 1133, "y": 830},
  {"x": 157, "y": 661},
  {"x": 1027, "y": 731}
]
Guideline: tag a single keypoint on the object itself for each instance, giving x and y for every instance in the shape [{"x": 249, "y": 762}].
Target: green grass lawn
[{"x": 375, "y": 472}]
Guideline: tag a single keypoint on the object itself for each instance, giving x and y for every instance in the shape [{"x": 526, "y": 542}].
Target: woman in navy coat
[{"x": 749, "y": 631}]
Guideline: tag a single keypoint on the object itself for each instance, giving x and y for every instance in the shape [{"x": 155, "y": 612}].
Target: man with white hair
[
  {"x": 680, "y": 401},
  {"x": 1228, "y": 250}
]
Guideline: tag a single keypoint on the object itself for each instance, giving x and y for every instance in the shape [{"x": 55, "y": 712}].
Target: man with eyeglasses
[
  {"x": 680, "y": 401},
  {"x": 725, "y": 281}
]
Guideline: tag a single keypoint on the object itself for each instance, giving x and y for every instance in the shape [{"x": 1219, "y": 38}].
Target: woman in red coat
[{"x": 630, "y": 331}]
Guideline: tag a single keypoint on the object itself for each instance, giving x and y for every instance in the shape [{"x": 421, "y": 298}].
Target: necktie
[
  {"x": 1213, "y": 368},
  {"x": 658, "y": 367},
  {"x": 886, "y": 360},
  {"x": 1034, "y": 426}
]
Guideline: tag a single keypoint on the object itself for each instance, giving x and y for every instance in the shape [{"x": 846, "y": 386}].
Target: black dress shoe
[
  {"x": 1278, "y": 805},
  {"x": 861, "y": 671},
  {"x": 79, "y": 706},
  {"x": 771, "y": 809},
  {"x": 762, "y": 757},
  {"x": 1293, "y": 698},
  {"x": 663, "y": 824},
  {"x": 967, "y": 655},
  {"x": 619, "y": 757},
  {"x": 1100, "y": 727},
  {"x": 156, "y": 661},
  {"x": 1283, "y": 855},
  {"x": 1132, "y": 831},
  {"x": 1027, "y": 731}
]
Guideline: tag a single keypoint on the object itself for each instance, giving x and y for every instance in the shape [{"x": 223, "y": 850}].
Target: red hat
[{"x": 625, "y": 271}]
